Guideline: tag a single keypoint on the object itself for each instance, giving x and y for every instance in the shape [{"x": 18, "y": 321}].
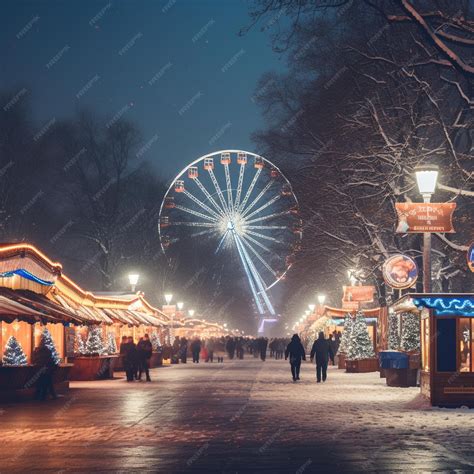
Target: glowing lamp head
[
  {"x": 133, "y": 278},
  {"x": 191, "y": 313},
  {"x": 311, "y": 307},
  {"x": 179, "y": 305},
  {"x": 426, "y": 178},
  {"x": 321, "y": 298},
  {"x": 168, "y": 298}
]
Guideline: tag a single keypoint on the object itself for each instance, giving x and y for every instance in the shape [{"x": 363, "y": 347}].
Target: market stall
[{"x": 447, "y": 337}]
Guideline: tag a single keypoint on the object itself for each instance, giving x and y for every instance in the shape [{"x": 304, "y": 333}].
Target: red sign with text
[{"x": 419, "y": 217}]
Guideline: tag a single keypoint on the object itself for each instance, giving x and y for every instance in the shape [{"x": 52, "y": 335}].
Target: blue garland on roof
[
  {"x": 26, "y": 274},
  {"x": 443, "y": 306}
]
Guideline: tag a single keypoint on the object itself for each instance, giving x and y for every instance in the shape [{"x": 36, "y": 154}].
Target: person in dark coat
[
  {"x": 333, "y": 346},
  {"x": 296, "y": 352},
  {"x": 262, "y": 346},
  {"x": 230, "y": 347},
  {"x": 322, "y": 351},
  {"x": 196, "y": 349},
  {"x": 129, "y": 359},
  {"x": 144, "y": 350},
  {"x": 183, "y": 350},
  {"x": 43, "y": 360}
]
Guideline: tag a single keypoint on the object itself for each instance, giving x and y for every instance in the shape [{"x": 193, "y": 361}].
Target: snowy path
[{"x": 242, "y": 416}]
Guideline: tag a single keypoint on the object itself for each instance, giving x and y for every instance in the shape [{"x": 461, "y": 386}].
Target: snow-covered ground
[{"x": 240, "y": 416}]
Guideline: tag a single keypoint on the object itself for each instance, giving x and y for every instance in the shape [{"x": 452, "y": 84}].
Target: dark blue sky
[{"x": 176, "y": 67}]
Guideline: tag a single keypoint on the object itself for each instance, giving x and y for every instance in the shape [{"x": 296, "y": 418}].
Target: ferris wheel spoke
[
  {"x": 229, "y": 187},
  {"x": 195, "y": 213},
  {"x": 250, "y": 189},
  {"x": 267, "y": 217},
  {"x": 249, "y": 275},
  {"x": 239, "y": 186},
  {"x": 218, "y": 190},
  {"x": 211, "y": 199},
  {"x": 256, "y": 227},
  {"x": 202, "y": 232},
  {"x": 261, "y": 208},
  {"x": 256, "y": 242},
  {"x": 200, "y": 203},
  {"x": 221, "y": 242},
  {"x": 265, "y": 237},
  {"x": 259, "y": 196},
  {"x": 259, "y": 257},
  {"x": 258, "y": 279},
  {"x": 192, "y": 224}
]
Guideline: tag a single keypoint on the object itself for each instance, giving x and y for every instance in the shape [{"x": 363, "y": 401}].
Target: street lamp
[
  {"x": 168, "y": 298},
  {"x": 311, "y": 307},
  {"x": 133, "y": 279},
  {"x": 321, "y": 299},
  {"x": 179, "y": 305},
  {"x": 191, "y": 313},
  {"x": 426, "y": 178}
]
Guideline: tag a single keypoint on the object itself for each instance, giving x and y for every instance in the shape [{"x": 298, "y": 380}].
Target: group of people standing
[
  {"x": 323, "y": 350},
  {"x": 136, "y": 357}
]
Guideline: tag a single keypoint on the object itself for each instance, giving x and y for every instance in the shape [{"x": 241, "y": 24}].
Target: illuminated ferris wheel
[{"x": 235, "y": 200}]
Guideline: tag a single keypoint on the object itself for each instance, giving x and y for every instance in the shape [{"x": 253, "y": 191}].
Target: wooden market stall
[
  {"x": 447, "y": 339},
  {"x": 35, "y": 294}
]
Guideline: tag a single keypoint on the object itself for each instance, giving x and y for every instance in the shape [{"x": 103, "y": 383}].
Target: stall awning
[
  {"x": 11, "y": 310},
  {"x": 41, "y": 304},
  {"x": 442, "y": 304}
]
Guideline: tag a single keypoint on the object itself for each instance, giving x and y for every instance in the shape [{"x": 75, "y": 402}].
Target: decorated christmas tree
[
  {"x": 94, "y": 343},
  {"x": 346, "y": 335},
  {"x": 47, "y": 340},
  {"x": 111, "y": 344},
  {"x": 360, "y": 345},
  {"x": 155, "y": 342},
  {"x": 410, "y": 340},
  {"x": 80, "y": 347},
  {"x": 393, "y": 331},
  {"x": 14, "y": 354}
]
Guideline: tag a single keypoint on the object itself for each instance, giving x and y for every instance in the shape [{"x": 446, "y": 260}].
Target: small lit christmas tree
[
  {"x": 393, "y": 331},
  {"x": 79, "y": 348},
  {"x": 47, "y": 340},
  {"x": 346, "y": 335},
  {"x": 360, "y": 345},
  {"x": 94, "y": 343},
  {"x": 155, "y": 341},
  {"x": 410, "y": 340},
  {"x": 14, "y": 354},
  {"x": 111, "y": 344}
]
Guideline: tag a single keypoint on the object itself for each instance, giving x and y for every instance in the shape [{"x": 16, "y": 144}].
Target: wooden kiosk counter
[{"x": 447, "y": 345}]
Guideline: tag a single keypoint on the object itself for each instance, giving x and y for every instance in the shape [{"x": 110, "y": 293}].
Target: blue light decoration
[
  {"x": 448, "y": 306},
  {"x": 26, "y": 274}
]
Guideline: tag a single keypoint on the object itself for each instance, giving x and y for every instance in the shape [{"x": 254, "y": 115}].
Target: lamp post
[
  {"x": 321, "y": 300},
  {"x": 168, "y": 298},
  {"x": 133, "y": 280},
  {"x": 426, "y": 178},
  {"x": 191, "y": 313}
]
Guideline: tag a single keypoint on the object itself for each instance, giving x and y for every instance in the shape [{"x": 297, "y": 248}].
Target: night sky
[{"x": 178, "y": 69}]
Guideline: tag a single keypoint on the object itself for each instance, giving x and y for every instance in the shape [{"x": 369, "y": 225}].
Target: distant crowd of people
[{"x": 136, "y": 357}]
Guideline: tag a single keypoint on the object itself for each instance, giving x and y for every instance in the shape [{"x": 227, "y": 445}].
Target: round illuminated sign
[
  {"x": 470, "y": 257},
  {"x": 400, "y": 271}
]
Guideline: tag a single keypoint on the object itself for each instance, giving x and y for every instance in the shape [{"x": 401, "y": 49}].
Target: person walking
[
  {"x": 210, "y": 344},
  {"x": 196, "y": 349},
  {"x": 333, "y": 346},
  {"x": 183, "y": 350},
  {"x": 262, "y": 346},
  {"x": 144, "y": 350},
  {"x": 322, "y": 351},
  {"x": 129, "y": 354},
  {"x": 42, "y": 358},
  {"x": 296, "y": 352}
]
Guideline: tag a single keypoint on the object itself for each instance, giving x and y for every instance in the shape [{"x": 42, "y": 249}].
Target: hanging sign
[
  {"x": 470, "y": 257},
  {"x": 362, "y": 294},
  {"x": 400, "y": 272},
  {"x": 418, "y": 217},
  {"x": 350, "y": 305}
]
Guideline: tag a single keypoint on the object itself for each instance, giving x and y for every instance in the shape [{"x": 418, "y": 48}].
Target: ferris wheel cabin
[
  {"x": 179, "y": 186},
  {"x": 164, "y": 222},
  {"x": 286, "y": 190},
  {"x": 274, "y": 173},
  {"x": 208, "y": 164},
  {"x": 259, "y": 163},
  {"x": 193, "y": 172},
  {"x": 225, "y": 158},
  {"x": 169, "y": 202},
  {"x": 242, "y": 158}
]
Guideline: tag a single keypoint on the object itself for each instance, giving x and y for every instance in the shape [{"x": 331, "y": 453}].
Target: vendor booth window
[{"x": 464, "y": 344}]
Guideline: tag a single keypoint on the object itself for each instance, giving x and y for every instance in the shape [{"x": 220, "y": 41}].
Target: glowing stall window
[
  {"x": 464, "y": 344},
  {"x": 425, "y": 344}
]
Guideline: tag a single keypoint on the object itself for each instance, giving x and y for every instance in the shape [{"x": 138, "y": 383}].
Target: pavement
[{"x": 237, "y": 417}]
